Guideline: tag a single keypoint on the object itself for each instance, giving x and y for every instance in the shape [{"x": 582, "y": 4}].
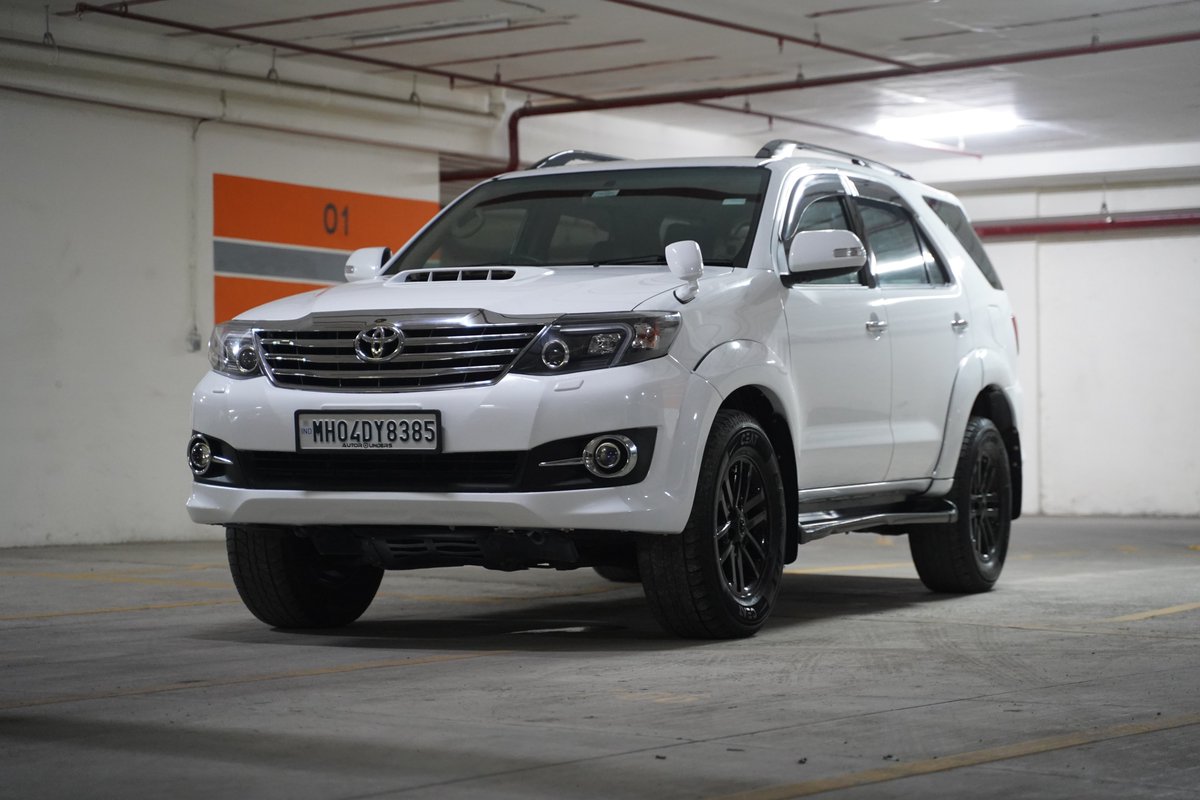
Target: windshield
[{"x": 609, "y": 217}]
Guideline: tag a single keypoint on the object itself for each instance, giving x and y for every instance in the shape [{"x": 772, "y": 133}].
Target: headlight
[
  {"x": 581, "y": 342},
  {"x": 232, "y": 351}
]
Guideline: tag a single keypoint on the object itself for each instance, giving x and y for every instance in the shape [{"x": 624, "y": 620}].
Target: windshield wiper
[{"x": 653, "y": 258}]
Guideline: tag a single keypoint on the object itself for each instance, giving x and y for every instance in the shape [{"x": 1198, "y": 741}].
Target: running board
[{"x": 826, "y": 523}]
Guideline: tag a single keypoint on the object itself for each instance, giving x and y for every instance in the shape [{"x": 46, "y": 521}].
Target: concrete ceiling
[{"x": 547, "y": 52}]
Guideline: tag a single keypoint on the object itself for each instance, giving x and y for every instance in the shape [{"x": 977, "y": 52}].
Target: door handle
[
  {"x": 876, "y": 326},
  {"x": 959, "y": 324}
]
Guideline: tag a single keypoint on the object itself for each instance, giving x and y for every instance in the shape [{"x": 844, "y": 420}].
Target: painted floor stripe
[
  {"x": 974, "y": 758},
  {"x": 182, "y": 686},
  {"x": 89, "y": 612},
  {"x": 1159, "y": 612},
  {"x": 486, "y": 599},
  {"x": 847, "y": 568}
]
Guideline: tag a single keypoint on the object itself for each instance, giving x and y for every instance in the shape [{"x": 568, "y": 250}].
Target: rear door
[{"x": 928, "y": 323}]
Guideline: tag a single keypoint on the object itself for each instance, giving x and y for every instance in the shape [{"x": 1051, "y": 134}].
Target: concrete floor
[{"x": 133, "y": 670}]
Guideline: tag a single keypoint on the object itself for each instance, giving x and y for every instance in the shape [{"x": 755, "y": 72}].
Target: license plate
[{"x": 369, "y": 430}]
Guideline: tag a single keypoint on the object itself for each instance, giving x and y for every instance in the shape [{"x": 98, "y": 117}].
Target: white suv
[{"x": 671, "y": 371}]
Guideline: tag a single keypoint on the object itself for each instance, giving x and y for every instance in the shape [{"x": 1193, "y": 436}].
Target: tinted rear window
[{"x": 956, "y": 220}]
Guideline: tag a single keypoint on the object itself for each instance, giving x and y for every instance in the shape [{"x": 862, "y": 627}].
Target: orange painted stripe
[
  {"x": 288, "y": 213},
  {"x": 232, "y": 296}
]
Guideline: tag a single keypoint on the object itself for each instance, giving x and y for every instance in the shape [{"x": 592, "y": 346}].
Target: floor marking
[
  {"x": 88, "y": 612},
  {"x": 120, "y": 577},
  {"x": 973, "y": 758},
  {"x": 210, "y": 683},
  {"x": 496, "y": 599},
  {"x": 1159, "y": 612},
  {"x": 847, "y": 568}
]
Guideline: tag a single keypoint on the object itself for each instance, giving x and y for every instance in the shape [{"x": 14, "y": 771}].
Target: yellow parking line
[
  {"x": 244, "y": 679},
  {"x": 88, "y": 612},
  {"x": 847, "y": 568},
  {"x": 496, "y": 599},
  {"x": 1158, "y": 612},
  {"x": 969, "y": 759}
]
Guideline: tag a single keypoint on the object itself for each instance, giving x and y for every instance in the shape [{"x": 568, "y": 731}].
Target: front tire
[
  {"x": 966, "y": 556},
  {"x": 286, "y": 583},
  {"x": 719, "y": 578}
]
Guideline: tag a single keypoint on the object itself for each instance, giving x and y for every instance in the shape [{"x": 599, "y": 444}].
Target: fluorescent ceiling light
[
  {"x": 951, "y": 125},
  {"x": 427, "y": 29}
]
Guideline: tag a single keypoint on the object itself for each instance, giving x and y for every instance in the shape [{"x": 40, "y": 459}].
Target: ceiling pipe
[
  {"x": 718, "y": 93},
  {"x": 737, "y": 26},
  {"x": 1032, "y": 228},
  {"x": 576, "y": 103},
  {"x": 122, "y": 12}
]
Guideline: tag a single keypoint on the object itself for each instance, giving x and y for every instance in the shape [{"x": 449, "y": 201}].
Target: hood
[{"x": 512, "y": 291}]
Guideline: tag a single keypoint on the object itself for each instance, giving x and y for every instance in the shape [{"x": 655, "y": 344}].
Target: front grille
[
  {"x": 432, "y": 356},
  {"x": 380, "y": 472}
]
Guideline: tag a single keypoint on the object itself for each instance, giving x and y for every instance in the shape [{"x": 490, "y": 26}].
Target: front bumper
[{"x": 519, "y": 414}]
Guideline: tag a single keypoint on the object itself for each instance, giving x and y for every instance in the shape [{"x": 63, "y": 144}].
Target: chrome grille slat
[
  {"x": 468, "y": 349},
  {"x": 376, "y": 374},
  {"x": 405, "y": 357}
]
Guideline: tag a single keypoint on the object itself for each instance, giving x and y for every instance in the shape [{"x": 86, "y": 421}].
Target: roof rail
[
  {"x": 781, "y": 148},
  {"x": 572, "y": 156}
]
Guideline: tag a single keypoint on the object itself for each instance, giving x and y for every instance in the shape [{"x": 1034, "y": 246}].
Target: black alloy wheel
[
  {"x": 967, "y": 555},
  {"x": 743, "y": 531},
  {"x": 718, "y": 579}
]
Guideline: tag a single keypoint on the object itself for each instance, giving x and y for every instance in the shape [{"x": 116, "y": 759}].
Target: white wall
[
  {"x": 1110, "y": 350},
  {"x": 102, "y": 213}
]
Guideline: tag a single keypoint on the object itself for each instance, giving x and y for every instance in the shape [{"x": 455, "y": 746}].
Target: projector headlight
[
  {"x": 578, "y": 342},
  {"x": 232, "y": 351}
]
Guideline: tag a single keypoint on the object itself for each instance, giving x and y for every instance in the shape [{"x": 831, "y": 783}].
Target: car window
[
  {"x": 901, "y": 256},
  {"x": 597, "y": 217},
  {"x": 956, "y": 220}
]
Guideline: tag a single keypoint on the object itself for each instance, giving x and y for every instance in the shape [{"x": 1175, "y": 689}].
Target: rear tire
[
  {"x": 286, "y": 583},
  {"x": 719, "y": 578},
  {"x": 966, "y": 556}
]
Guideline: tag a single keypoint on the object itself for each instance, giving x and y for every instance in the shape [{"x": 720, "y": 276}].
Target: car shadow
[{"x": 617, "y": 620}]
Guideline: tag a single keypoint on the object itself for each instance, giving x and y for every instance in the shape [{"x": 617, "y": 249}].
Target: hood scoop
[{"x": 454, "y": 275}]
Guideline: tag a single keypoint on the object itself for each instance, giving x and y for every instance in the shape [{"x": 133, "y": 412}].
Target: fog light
[
  {"x": 556, "y": 354},
  {"x": 610, "y": 456},
  {"x": 199, "y": 454}
]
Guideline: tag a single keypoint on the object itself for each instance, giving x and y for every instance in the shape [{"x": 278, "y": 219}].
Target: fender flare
[{"x": 978, "y": 370}]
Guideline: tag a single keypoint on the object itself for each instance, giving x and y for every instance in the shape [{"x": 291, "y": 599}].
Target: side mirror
[
  {"x": 825, "y": 254},
  {"x": 686, "y": 263},
  {"x": 366, "y": 263}
]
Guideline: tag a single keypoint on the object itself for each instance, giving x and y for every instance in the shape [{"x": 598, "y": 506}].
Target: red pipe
[
  {"x": 124, "y": 13},
  {"x": 1043, "y": 227},
  {"x": 576, "y": 103},
  {"x": 717, "y": 93},
  {"x": 737, "y": 26}
]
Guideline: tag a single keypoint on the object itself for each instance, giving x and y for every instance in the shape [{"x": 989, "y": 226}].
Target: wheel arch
[
  {"x": 994, "y": 404},
  {"x": 766, "y": 408}
]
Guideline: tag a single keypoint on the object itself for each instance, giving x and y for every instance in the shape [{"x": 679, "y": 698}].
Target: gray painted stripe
[{"x": 276, "y": 261}]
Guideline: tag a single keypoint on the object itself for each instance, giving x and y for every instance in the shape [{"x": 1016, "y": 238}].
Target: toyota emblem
[{"x": 379, "y": 343}]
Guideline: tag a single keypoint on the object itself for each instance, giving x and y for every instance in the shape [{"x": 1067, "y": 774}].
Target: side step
[{"x": 818, "y": 525}]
